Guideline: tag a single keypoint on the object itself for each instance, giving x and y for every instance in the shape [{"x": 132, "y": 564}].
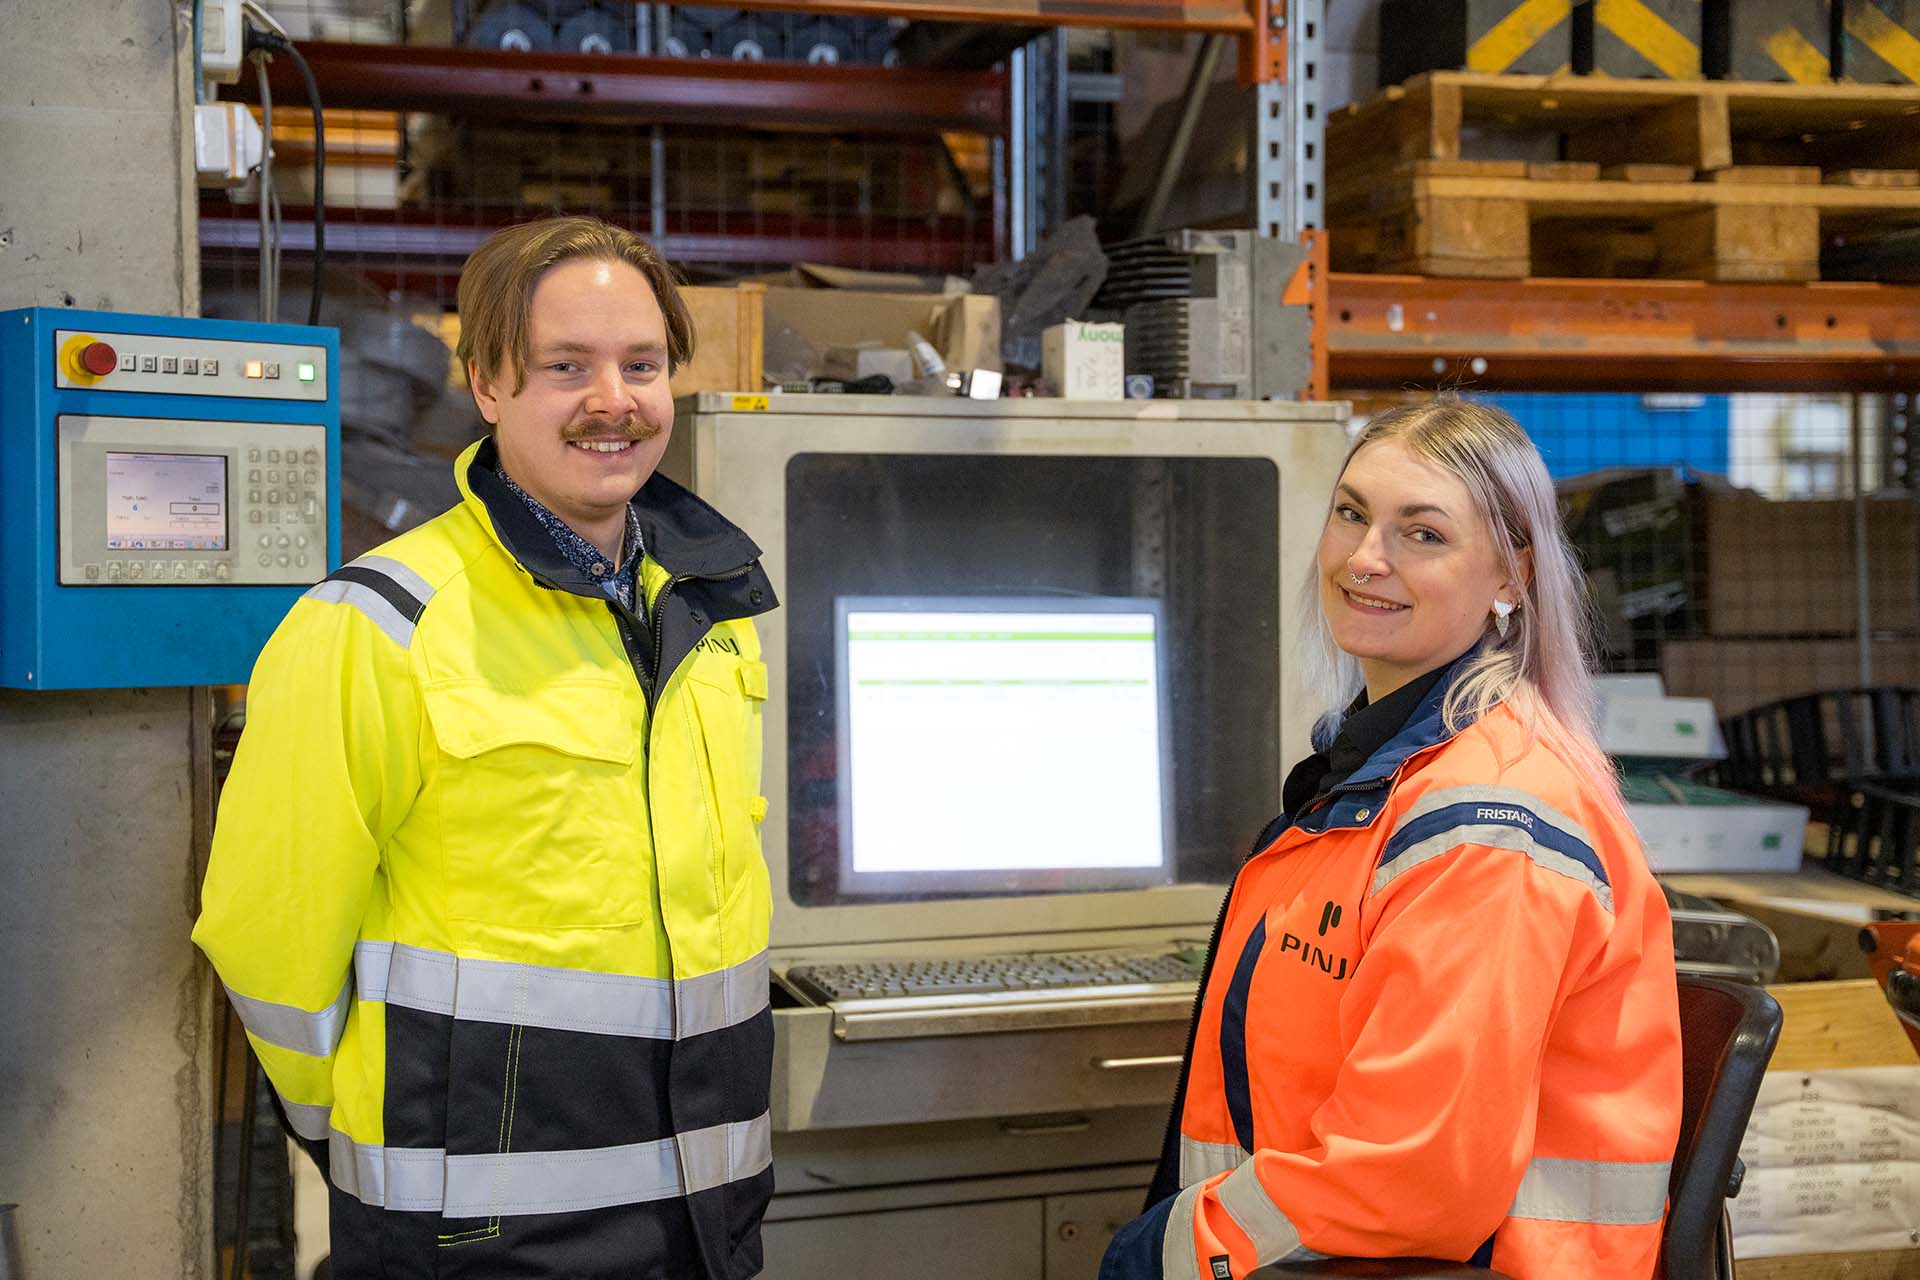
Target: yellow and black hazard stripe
[
  {"x": 1643, "y": 38},
  {"x": 1778, "y": 40},
  {"x": 1881, "y": 42},
  {"x": 1532, "y": 38}
]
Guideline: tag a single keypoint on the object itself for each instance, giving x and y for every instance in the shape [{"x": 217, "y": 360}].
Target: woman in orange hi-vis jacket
[{"x": 1439, "y": 1015}]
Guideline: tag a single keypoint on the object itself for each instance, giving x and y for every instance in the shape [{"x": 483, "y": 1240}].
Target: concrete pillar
[{"x": 104, "y": 1009}]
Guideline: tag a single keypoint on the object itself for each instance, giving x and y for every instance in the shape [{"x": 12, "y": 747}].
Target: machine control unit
[{"x": 170, "y": 487}]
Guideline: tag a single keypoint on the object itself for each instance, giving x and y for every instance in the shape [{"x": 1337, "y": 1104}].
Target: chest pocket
[
  {"x": 726, "y": 697},
  {"x": 543, "y": 802}
]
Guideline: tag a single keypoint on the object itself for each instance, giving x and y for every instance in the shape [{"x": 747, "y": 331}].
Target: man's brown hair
[{"x": 497, "y": 284}]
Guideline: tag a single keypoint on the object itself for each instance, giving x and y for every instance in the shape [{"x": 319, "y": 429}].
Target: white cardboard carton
[
  {"x": 1669, "y": 728},
  {"x": 1761, "y": 836},
  {"x": 1082, "y": 361}
]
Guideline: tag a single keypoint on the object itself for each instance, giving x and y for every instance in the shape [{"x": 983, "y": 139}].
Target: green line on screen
[
  {"x": 1000, "y": 635},
  {"x": 1000, "y": 682}
]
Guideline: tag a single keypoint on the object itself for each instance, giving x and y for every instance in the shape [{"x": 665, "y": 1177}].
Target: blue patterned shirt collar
[{"x": 620, "y": 583}]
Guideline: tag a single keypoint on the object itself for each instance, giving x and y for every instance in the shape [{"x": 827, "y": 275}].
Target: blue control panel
[{"x": 168, "y": 488}]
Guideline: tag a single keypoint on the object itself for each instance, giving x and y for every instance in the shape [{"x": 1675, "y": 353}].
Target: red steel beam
[
  {"x": 429, "y": 245},
  {"x": 1389, "y": 332},
  {"x": 507, "y": 84},
  {"x": 1231, "y": 16}
]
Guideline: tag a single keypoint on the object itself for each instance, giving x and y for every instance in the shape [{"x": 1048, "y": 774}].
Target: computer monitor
[
  {"x": 1198, "y": 515},
  {"x": 968, "y": 723}
]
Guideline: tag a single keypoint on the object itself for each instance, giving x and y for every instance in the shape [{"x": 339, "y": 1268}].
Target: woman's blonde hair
[{"x": 1543, "y": 667}]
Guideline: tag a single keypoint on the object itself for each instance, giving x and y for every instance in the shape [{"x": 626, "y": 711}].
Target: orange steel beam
[
  {"x": 1308, "y": 288},
  {"x": 1230, "y": 16},
  {"x": 1388, "y": 332},
  {"x": 1260, "y": 24},
  {"x": 1263, "y": 49}
]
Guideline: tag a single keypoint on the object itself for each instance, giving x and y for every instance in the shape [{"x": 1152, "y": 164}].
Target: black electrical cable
[
  {"x": 275, "y": 43},
  {"x": 224, "y": 1042},
  {"x": 243, "y": 1187}
]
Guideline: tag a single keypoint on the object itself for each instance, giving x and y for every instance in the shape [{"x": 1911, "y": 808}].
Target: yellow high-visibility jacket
[{"x": 487, "y": 892}]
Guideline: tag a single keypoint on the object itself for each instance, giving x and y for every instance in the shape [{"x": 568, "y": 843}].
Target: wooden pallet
[
  {"x": 1508, "y": 220},
  {"x": 1716, "y": 181},
  {"x": 1701, "y": 124}
]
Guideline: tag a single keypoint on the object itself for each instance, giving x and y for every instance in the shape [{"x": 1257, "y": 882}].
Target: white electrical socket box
[
  {"x": 223, "y": 45},
  {"x": 227, "y": 144}
]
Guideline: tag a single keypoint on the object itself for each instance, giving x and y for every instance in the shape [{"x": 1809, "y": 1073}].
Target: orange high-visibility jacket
[{"x": 1441, "y": 1021}]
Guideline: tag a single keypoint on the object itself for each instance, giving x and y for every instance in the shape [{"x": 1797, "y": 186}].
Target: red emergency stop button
[{"x": 99, "y": 359}]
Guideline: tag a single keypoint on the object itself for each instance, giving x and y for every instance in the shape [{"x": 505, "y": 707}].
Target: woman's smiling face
[{"x": 1411, "y": 529}]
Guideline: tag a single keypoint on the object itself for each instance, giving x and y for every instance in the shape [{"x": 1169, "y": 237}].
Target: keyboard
[{"x": 969, "y": 975}]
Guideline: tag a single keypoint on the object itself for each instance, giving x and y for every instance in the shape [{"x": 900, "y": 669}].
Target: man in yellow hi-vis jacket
[{"x": 486, "y": 885}]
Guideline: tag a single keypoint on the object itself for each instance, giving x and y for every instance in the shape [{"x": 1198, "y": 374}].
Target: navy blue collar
[{"x": 1358, "y": 800}]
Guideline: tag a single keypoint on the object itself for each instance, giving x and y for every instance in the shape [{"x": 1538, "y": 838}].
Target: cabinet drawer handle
[
  {"x": 1128, "y": 1064},
  {"x": 1046, "y": 1124}
]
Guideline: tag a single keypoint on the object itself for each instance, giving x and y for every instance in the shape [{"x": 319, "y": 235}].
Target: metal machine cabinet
[
  {"x": 948, "y": 1242},
  {"x": 1035, "y": 1199},
  {"x": 1079, "y": 1228},
  {"x": 168, "y": 488},
  {"x": 1004, "y": 1131}
]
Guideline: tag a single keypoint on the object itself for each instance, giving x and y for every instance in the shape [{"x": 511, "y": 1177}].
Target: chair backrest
[{"x": 1727, "y": 1034}]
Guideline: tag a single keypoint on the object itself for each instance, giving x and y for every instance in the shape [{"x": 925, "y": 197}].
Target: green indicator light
[{"x": 306, "y": 373}]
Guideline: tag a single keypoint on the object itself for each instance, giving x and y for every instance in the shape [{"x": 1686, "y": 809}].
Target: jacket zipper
[{"x": 660, "y": 632}]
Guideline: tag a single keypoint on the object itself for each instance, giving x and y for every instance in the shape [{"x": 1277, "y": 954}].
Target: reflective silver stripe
[
  {"x": 409, "y": 581},
  {"x": 1499, "y": 835},
  {"x": 381, "y": 611},
  {"x": 378, "y": 608},
  {"x": 561, "y": 999},
  {"x": 529, "y": 1182},
  {"x": 1202, "y": 1160},
  {"x": 1179, "y": 1255},
  {"x": 289, "y": 1027},
  {"x": 399, "y": 1178},
  {"x": 1274, "y": 1237},
  {"x": 309, "y": 1119},
  {"x": 1614, "y": 1193}
]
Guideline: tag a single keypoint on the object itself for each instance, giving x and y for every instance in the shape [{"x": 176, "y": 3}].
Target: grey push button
[{"x": 209, "y": 368}]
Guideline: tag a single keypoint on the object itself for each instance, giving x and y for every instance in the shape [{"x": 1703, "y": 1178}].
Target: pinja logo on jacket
[{"x": 1334, "y": 966}]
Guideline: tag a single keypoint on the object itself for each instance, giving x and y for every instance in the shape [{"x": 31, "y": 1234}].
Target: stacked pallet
[
  {"x": 1693, "y": 179},
  {"x": 604, "y": 167}
]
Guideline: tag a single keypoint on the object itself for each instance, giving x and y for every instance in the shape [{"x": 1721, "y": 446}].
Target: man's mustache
[{"x": 632, "y": 427}]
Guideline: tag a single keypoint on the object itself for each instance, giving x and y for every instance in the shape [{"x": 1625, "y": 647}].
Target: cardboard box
[
  {"x": 1659, "y": 728},
  {"x": 1787, "y": 568},
  {"x": 1082, "y": 361},
  {"x": 854, "y": 363},
  {"x": 964, "y": 328},
  {"x": 1755, "y": 836},
  {"x": 1738, "y": 675},
  {"x": 729, "y": 335}
]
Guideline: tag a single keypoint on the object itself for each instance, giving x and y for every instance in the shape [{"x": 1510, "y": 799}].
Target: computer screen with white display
[
  {"x": 1001, "y": 744},
  {"x": 1026, "y": 680}
]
